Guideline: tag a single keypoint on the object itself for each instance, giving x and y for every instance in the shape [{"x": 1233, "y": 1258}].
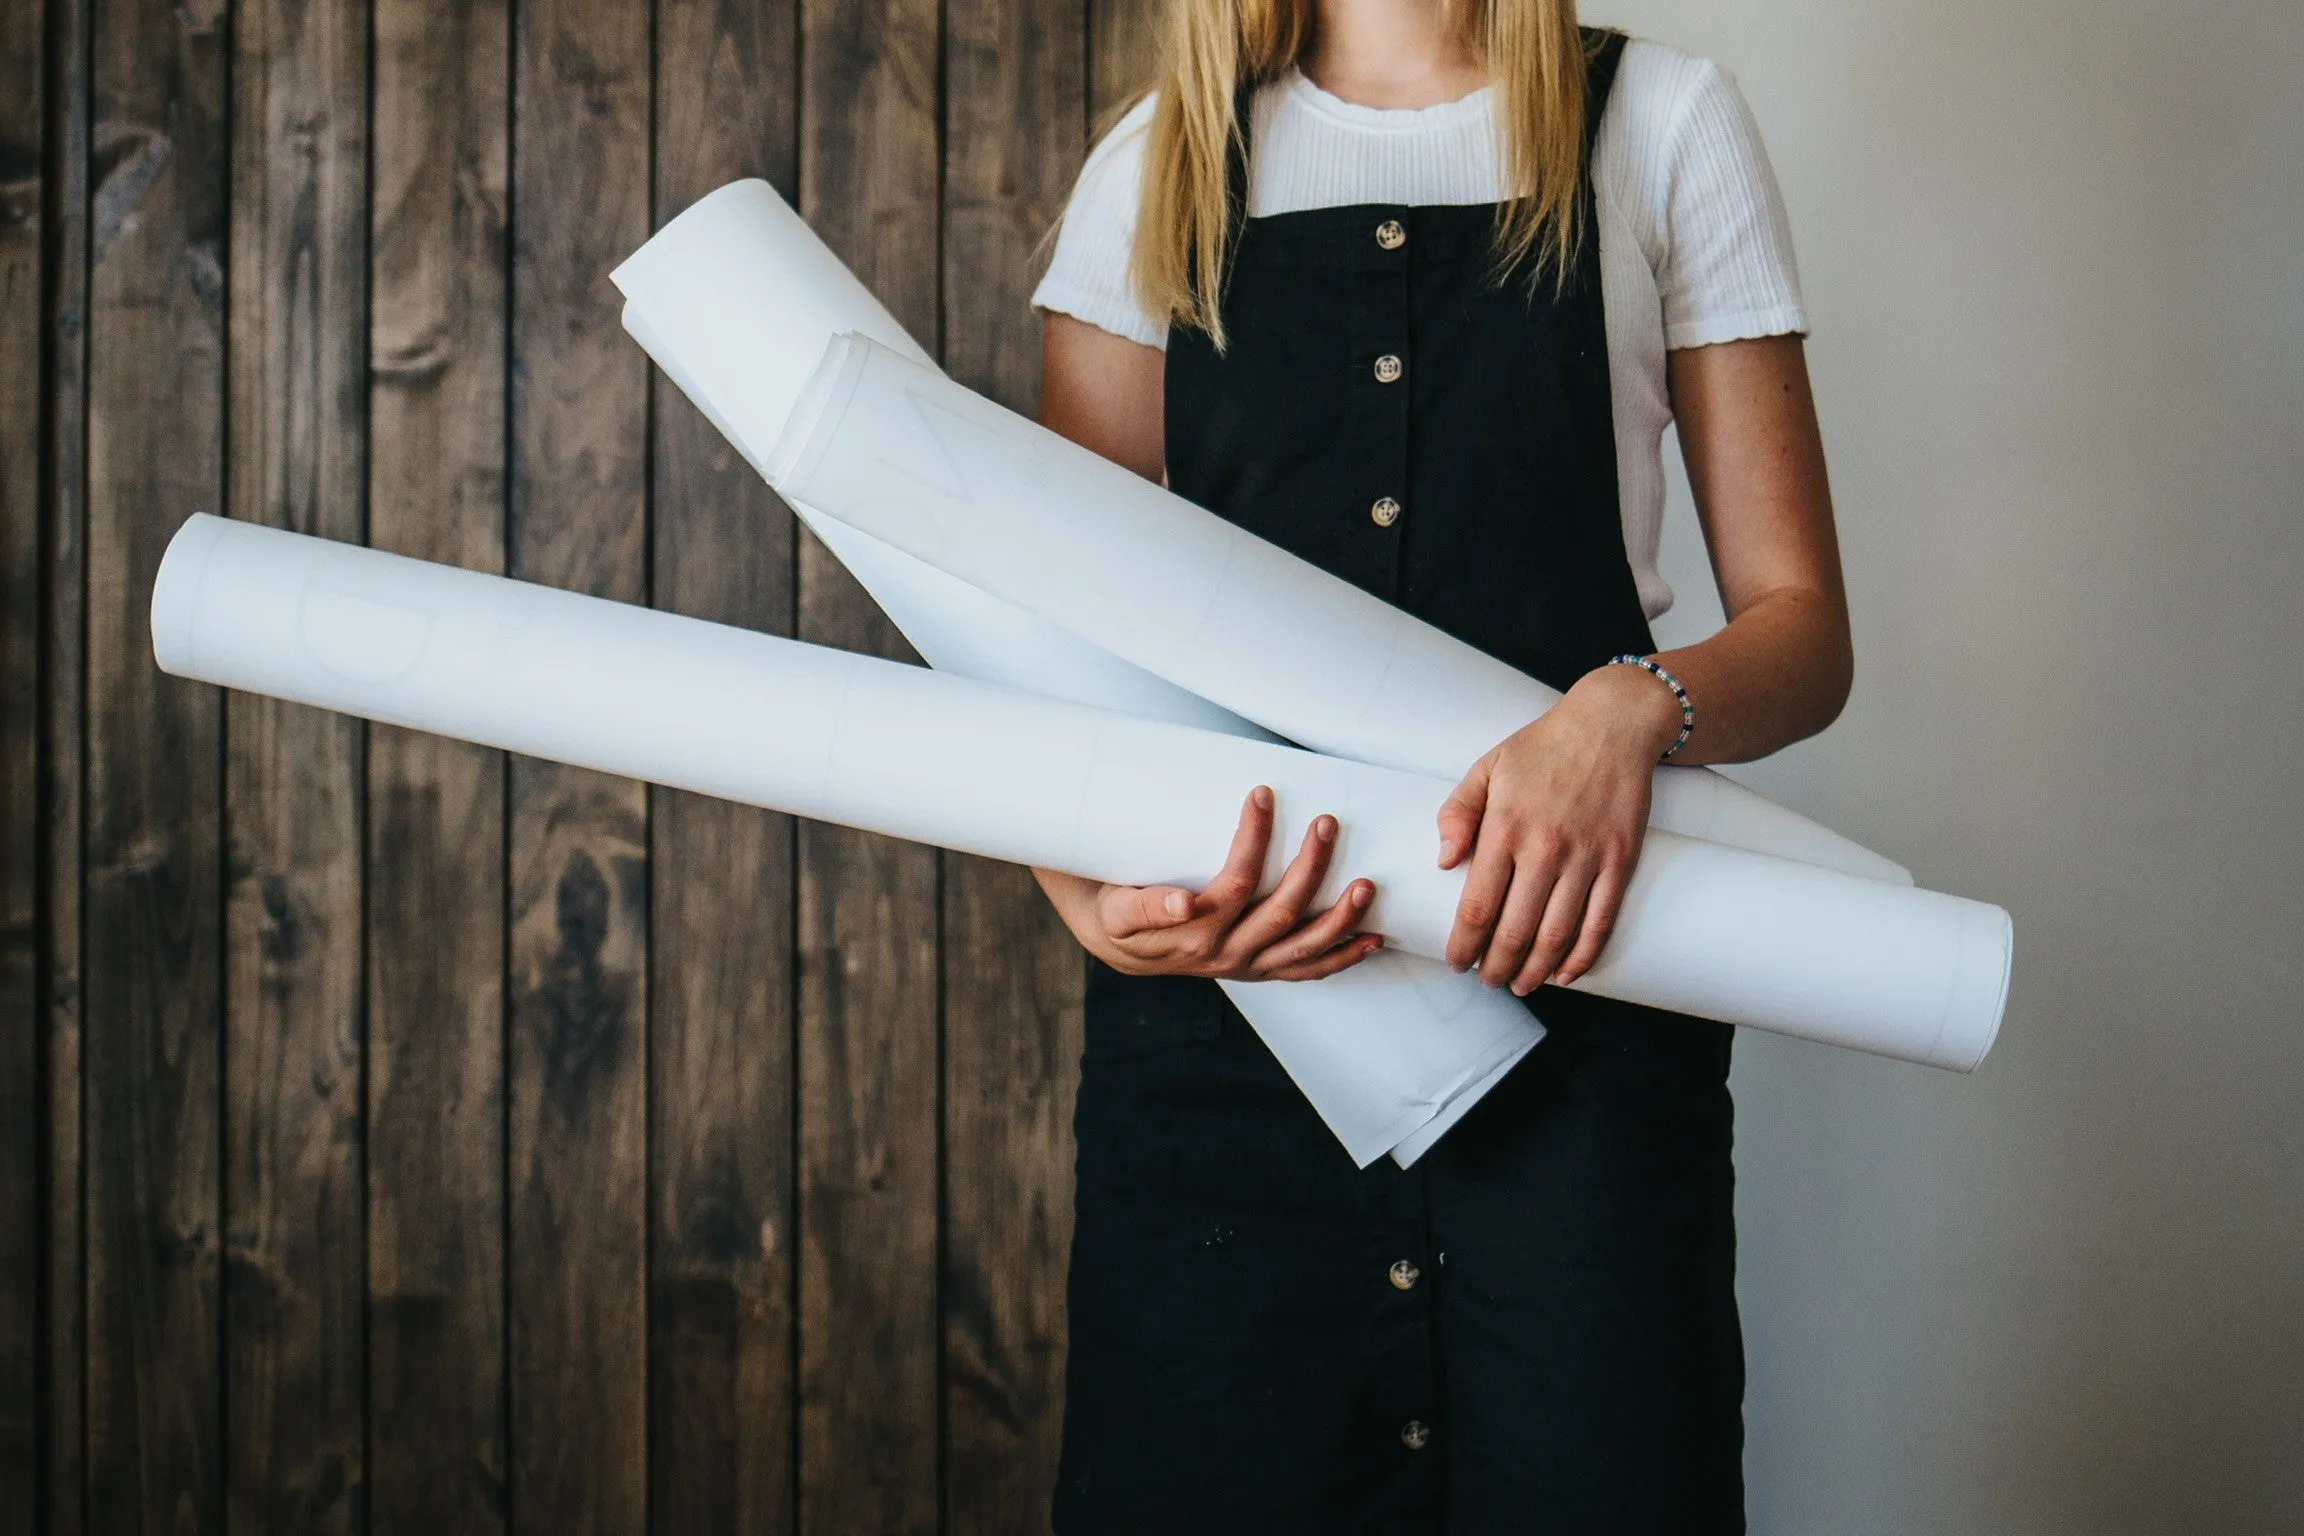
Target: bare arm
[
  {"x": 1551, "y": 820},
  {"x": 1781, "y": 669},
  {"x": 1105, "y": 393}
]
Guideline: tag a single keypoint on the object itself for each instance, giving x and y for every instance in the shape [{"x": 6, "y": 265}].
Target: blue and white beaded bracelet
[{"x": 1687, "y": 710}]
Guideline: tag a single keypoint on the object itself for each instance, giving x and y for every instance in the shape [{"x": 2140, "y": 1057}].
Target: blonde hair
[{"x": 1531, "y": 49}]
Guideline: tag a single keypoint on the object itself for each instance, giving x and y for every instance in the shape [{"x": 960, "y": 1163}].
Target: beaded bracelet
[{"x": 1687, "y": 710}]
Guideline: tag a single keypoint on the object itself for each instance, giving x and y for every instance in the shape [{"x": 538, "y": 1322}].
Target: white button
[
  {"x": 1404, "y": 1275},
  {"x": 1385, "y": 513},
  {"x": 1388, "y": 369},
  {"x": 1415, "y": 1434},
  {"x": 1390, "y": 235}
]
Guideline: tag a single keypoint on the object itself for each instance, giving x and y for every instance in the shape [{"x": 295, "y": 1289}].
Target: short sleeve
[
  {"x": 1088, "y": 276},
  {"x": 1727, "y": 270}
]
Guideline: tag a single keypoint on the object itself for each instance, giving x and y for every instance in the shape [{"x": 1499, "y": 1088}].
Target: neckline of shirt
[{"x": 1464, "y": 111}]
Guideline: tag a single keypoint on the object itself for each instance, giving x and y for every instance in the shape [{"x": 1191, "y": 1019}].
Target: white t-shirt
[{"x": 1694, "y": 244}]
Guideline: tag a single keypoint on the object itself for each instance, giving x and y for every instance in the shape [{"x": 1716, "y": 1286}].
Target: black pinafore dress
[{"x": 1533, "y": 1330}]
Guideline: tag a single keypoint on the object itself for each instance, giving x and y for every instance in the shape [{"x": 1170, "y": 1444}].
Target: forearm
[
  {"x": 1780, "y": 670},
  {"x": 1777, "y": 674}
]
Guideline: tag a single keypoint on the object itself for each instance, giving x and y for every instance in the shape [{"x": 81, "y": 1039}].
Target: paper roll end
[
  {"x": 750, "y": 192},
  {"x": 1983, "y": 993},
  {"x": 176, "y": 591}
]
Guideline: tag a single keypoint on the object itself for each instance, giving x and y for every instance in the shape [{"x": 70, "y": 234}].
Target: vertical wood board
[
  {"x": 22, "y": 320},
  {"x": 721, "y": 1358},
  {"x": 154, "y": 748},
  {"x": 1015, "y": 101},
  {"x": 578, "y": 872},
  {"x": 870, "y": 1392},
  {"x": 295, "y": 1270},
  {"x": 439, "y": 258}
]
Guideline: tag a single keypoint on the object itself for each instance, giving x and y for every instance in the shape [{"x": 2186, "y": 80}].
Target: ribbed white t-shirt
[{"x": 1694, "y": 244}]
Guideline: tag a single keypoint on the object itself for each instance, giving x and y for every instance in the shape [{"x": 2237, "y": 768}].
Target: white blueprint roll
[
  {"x": 746, "y": 296},
  {"x": 905, "y": 455},
  {"x": 1706, "y": 929},
  {"x": 737, "y": 301}
]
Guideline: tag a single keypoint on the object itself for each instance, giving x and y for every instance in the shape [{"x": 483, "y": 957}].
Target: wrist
[{"x": 1645, "y": 710}]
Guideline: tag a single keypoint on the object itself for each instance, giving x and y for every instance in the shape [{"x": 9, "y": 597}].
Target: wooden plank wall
[{"x": 394, "y": 1135}]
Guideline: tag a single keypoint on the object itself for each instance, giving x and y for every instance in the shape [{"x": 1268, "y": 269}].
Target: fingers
[
  {"x": 1316, "y": 938},
  {"x": 1243, "y": 869},
  {"x": 1341, "y": 958},
  {"x": 1563, "y": 916},
  {"x": 1534, "y": 873},
  {"x": 1600, "y": 914},
  {"x": 1279, "y": 913},
  {"x": 1482, "y": 902},
  {"x": 1127, "y": 910},
  {"x": 1460, "y": 813}
]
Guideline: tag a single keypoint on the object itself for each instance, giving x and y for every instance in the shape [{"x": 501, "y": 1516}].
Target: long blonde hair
[{"x": 1531, "y": 49}]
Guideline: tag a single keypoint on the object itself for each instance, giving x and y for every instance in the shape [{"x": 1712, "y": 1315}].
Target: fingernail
[
  {"x": 1360, "y": 895},
  {"x": 1177, "y": 904},
  {"x": 1324, "y": 828},
  {"x": 1447, "y": 854},
  {"x": 1263, "y": 798},
  {"x": 1519, "y": 990}
]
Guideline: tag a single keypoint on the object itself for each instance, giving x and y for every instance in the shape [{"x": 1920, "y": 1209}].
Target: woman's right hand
[{"x": 1224, "y": 931}]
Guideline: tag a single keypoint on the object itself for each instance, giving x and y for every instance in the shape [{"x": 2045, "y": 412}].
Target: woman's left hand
[{"x": 1552, "y": 820}]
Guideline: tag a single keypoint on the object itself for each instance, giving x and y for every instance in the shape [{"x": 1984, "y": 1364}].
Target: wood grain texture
[
  {"x": 154, "y": 918},
  {"x": 578, "y": 868},
  {"x": 1123, "y": 48},
  {"x": 294, "y": 1267},
  {"x": 720, "y": 922},
  {"x": 440, "y": 270},
  {"x": 441, "y": 1143},
  {"x": 1015, "y": 101},
  {"x": 869, "y": 1148},
  {"x": 62, "y": 1374},
  {"x": 22, "y": 321}
]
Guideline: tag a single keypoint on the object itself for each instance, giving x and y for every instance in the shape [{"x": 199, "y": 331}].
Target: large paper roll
[
  {"x": 738, "y": 301},
  {"x": 1706, "y": 929},
  {"x": 734, "y": 300},
  {"x": 901, "y": 453}
]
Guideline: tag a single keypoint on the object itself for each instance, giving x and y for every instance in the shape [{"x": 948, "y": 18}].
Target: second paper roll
[{"x": 1706, "y": 929}]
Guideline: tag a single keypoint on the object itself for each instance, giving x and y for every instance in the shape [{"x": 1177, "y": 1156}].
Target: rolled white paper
[
  {"x": 901, "y": 453},
  {"x": 734, "y": 300},
  {"x": 730, "y": 299},
  {"x": 1706, "y": 929},
  {"x": 737, "y": 301}
]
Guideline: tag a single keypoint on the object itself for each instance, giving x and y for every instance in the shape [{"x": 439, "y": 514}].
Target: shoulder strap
[{"x": 1603, "y": 52}]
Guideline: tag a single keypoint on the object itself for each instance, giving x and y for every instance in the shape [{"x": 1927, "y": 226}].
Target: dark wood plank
[
  {"x": 154, "y": 876},
  {"x": 1012, "y": 985},
  {"x": 869, "y": 1392},
  {"x": 440, "y": 259},
  {"x": 579, "y": 868},
  {"x": 1015, "y": 100},
  {"x": 63, "y": 612},
  {"x": 1123, "y": 48},
  {"x": 22, "y": 47},
  {"x": 295, "y": 1273},
  {"x": 720, "y": 922}
]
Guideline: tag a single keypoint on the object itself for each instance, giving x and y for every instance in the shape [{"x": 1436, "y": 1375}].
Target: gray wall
[{"x": 2055, "y": 257}]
